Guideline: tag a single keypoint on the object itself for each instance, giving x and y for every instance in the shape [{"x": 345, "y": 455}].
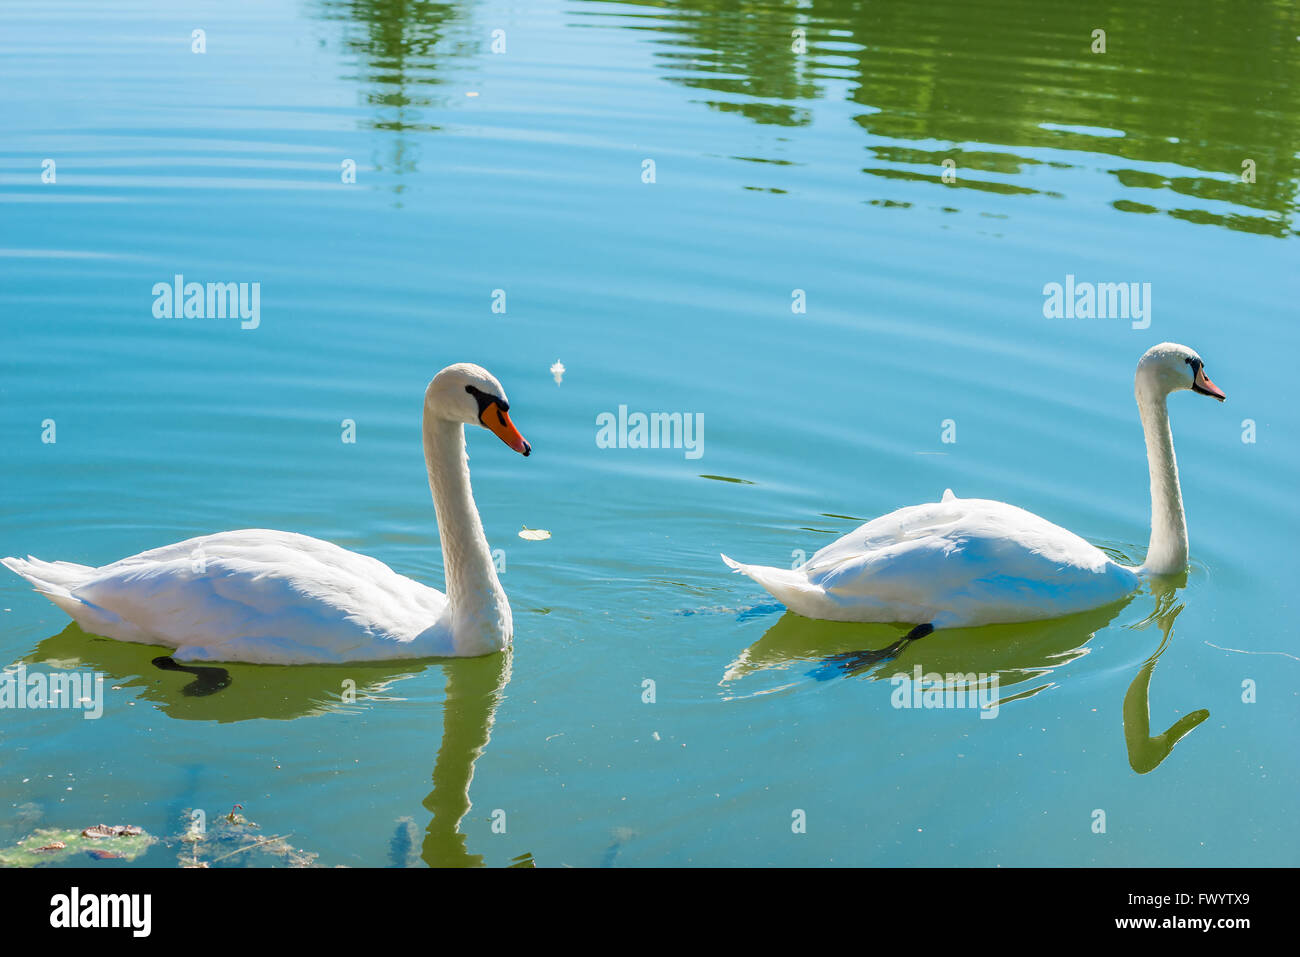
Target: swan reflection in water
[
  {"x": 242, "y": 692},
  {"x": 1023, "y": 657},
  {"x": 1145, "y": 752}
]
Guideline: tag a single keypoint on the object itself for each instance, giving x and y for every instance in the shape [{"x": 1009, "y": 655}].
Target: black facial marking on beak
[
  {"x": 484, "y": 400},
  {"x": 1199, "y": 377},
  {"x": 494, "y": 415}
]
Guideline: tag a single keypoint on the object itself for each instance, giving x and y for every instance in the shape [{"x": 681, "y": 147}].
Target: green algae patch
[{"x": 55, "y": 846}]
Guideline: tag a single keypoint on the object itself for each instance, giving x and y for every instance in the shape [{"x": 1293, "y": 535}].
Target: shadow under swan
[
  {"x": 228, "y": 692},
  {"x": 1014, "y": 653},
  {"x": 1022, "y": 657}
]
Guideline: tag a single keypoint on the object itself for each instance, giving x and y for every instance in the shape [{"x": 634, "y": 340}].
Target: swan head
[
  {"x": 470, "y": 395},
  {"x": 1170, "y": 367}
]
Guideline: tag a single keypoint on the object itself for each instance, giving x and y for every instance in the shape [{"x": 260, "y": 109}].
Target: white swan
[
  {"x": 964, "y": 562},
  {"x": 282, "y": 598}
]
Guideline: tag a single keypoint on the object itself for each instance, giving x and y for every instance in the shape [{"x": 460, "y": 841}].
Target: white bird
[
  {"x": 282, "y": 598},
  {"x": 966, "y": 562}
]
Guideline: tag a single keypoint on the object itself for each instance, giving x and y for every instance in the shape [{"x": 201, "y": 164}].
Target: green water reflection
[
  {"x": 233, "y": 692},
  {"x": 995, "y": 657},
  {"x": 1181, "y": 97}
]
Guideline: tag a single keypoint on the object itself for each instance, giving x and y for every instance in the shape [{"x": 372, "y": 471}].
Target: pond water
[{"x": 821, "y": 228}]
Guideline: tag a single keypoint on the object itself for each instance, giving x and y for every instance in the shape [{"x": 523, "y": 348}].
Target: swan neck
[
  {"x": 477, "y": 606},
  {"x": 1167, "y": 550}
]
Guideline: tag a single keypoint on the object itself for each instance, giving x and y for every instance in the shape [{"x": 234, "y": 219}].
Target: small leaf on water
[
  {"x": 101, "y": 855},
  {"x": 534, "y": 534}
]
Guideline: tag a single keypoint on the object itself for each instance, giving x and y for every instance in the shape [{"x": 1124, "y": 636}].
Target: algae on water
[{"x": 52, "y": 845}]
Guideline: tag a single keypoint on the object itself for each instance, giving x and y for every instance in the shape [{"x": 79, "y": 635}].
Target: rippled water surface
[{"x": 859, "y": 322}]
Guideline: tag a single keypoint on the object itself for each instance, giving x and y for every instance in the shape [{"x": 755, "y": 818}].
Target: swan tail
[
  {"x": 48, "y": 575},
  {"x": 787, "y": 585},
  {"x": 56, "y": 580}
]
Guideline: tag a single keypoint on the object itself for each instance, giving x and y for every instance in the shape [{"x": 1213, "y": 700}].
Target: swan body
[
  {"x": 966, "y": 562},
  {"x": 272, "y": 597},
  {"x": 252, "y": 595},
  {"x": 955, "y": 563}
]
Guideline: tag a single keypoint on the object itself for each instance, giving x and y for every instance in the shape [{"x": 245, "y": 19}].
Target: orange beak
[
  {"x": 1204, "y": 386},
  {"x": 497, "y": 420}
]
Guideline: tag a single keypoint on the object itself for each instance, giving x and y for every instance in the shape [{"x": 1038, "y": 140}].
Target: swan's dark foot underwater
[
  {"x": 207, "y": 680},
  {"x": 855, "y": 662}
]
